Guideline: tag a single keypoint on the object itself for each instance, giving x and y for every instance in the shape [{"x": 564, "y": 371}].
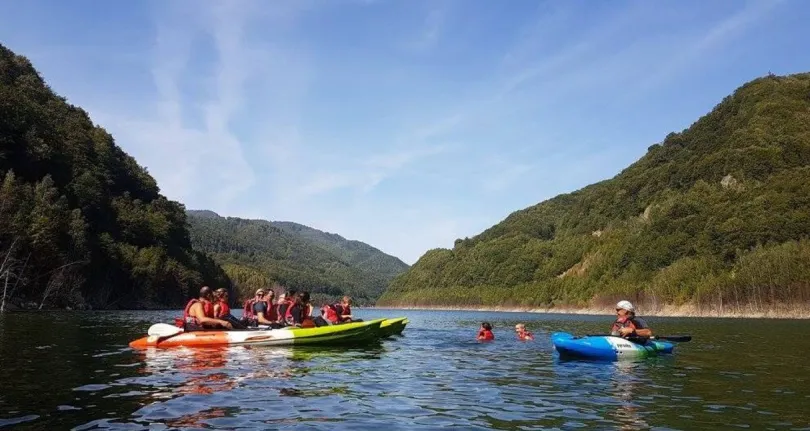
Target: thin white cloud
[{"x": 688, "y": 55}]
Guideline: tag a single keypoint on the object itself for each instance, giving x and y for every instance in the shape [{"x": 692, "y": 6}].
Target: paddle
[
  {"x": 163, "y": 331},
  {"x": 676, "y": 338}
]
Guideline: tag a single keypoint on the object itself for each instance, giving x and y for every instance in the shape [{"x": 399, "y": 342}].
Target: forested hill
[
  {"x": 354, "y": 252},
  {"x": 259, "y": 253},
  {"x": 81, "y": 223},
  {"x": 715, "y": 216}
]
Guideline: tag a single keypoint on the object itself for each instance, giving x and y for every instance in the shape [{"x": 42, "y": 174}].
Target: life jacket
[
  {"x": 485, "y": 335},
  {"x": 622, "y": 322},
  {"x": 289, "y": 319},
  {"x": 282, "y": 307},
  {"x": 208, "y": 311},
  {"x": 224, "y": 309},
  {"x": 330, "y": 313},
  {"x": 249, "y": 314},
  {"x": 247, "y": 310},
  {"x": 525, "y": 335}
]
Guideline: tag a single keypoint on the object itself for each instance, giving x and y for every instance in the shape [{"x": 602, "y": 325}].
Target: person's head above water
[
  {"x": 486, "y": 326},
  {"x": 520, "y": 327}
]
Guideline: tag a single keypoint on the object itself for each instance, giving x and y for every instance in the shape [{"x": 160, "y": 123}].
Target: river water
[{"x": 73, "y": 370}]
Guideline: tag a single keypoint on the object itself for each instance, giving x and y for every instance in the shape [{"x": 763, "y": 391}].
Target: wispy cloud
[{"x": 692, "y": 48}]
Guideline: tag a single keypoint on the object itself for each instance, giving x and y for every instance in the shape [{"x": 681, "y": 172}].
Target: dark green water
[{"x": 75, "y": 371}]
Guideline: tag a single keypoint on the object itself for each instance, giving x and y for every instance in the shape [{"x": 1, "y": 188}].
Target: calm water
[{"x": 76, "y": 371}]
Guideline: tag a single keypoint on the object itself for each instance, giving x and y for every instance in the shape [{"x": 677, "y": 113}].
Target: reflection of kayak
[
  {"x": 393, "y": 326},
  {"x": 606, "y": 347},
  {"x": 347, "y": 333}
]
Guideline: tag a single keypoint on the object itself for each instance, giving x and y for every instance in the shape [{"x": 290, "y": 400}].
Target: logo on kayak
[{"x": 260, "y": 338}]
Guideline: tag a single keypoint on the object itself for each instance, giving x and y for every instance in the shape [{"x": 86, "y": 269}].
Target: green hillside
[
  {"x": 356, "y": 253},
  {"x": 81, "y": 223},
  {"x": 259, "y": 253},
  {"x": 715, "y": 216}
]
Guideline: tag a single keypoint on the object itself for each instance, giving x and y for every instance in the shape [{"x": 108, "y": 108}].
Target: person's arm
[
  {"x": 641, "y": 329},
  {"x": 262, "y": 315},
  {"x": 217, "y": 309},
  {"x": 197, "y": 312}
]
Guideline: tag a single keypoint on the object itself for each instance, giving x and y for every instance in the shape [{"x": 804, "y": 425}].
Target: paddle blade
[
  {"x": 163, "y": 330},
  {"x": 676, "y": 338}
]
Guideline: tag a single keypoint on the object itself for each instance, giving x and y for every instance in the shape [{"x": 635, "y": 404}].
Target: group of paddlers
[{"x": 211, "y": 310}]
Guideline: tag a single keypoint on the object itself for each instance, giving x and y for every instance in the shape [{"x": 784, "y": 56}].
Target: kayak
[
  {"x": 347, "y": 333},
  {"x": 393, "y": 326},
  {"x": 607, "y": 347}
]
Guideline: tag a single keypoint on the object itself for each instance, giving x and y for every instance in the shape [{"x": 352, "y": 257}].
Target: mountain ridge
[
  {"x": 687, "y": 223},
  {"x": 258, "y": 253}
]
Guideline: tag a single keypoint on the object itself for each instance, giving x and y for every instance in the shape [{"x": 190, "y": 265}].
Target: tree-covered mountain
[
  {"x": 260, "y": 253},
  {"x": 715, "y": 216},
  {"x": 81, "y": 223},
  {"x": 357, "y": 253}
]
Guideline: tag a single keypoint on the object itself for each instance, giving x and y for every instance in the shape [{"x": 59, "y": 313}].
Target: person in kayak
[
  {"x": 627, "y": 324},
  {"x": 485, "y": 332},
  {"x": 199, "y": 313},
  {"x": 222, "y": 310},
  {"x": 522, "y": 333},
  {"x": 284, "y": 303},
  {"x": 295, "y": 312},
  {"x": 340, "y": 312},
  {"x": 260, "y": 310},
  {"x": 306, "y": 311}
]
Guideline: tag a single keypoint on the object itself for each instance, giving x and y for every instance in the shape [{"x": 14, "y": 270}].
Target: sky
[{"x": 404, "y": 124}]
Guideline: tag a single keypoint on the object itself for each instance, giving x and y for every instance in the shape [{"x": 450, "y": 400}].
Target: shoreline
[{"x": 778, "y": 312}]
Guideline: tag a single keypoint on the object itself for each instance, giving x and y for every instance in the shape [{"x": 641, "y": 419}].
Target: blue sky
[{"x": 404, "y": 124}]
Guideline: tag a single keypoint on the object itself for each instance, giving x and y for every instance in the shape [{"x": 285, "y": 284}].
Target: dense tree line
[
  {"x": 81, "y": 223},
  {"x": 715, "y": 216},
  {"x": 260, "y": 253}
]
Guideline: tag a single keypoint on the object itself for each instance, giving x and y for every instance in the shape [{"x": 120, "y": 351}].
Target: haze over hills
[
  {"x": 716, "y": 216},
  {"x": 258, "y": 253}
]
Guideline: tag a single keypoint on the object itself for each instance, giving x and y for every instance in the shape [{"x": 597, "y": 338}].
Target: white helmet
[{"x": 625, "y": 305}]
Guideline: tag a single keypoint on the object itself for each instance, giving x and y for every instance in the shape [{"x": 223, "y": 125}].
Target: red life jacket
[
  {"x": 526, "y": 335},
  {"x": 283, "y": 307},
  {"x": 332, "y": 312},
  {"x": 248, "y": 312},
  {"x": 288, "y": 316},
  {"x": 485, "y": 335},
  {"x": 224, "y": 309},
  {"x": 622, "y": 322},
  {"x": 208, "y": 311}
]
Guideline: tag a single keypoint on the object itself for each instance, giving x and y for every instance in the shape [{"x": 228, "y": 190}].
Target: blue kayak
[{"x": 606, "y": 347}]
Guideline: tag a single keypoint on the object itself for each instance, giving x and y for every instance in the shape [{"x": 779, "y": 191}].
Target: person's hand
[
  {"x": 626, "y": 331},
  {"x": 227, "y": 325}
]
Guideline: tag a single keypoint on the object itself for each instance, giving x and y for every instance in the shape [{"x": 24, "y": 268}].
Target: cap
[
  {"x": 259, "y": 290},
  {"x": 625, "y": 305}
]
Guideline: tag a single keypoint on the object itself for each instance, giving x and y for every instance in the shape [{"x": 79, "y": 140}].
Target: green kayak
[{"x": 391, "y": 327}]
